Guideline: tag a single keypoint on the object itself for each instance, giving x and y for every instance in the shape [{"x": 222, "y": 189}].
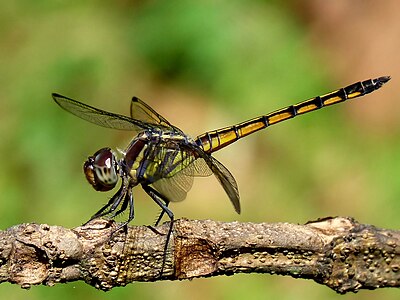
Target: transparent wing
[
  {"x": 197, "y": 168},
  {"x": 226, "y": 179},
  {"x": 142, "y": 111},
  {"x": 223, "y": 175},
  {"x": 177, "y": 177},
  {"x": 175, "y": 188},
  {"x": 98, "y": 116}
]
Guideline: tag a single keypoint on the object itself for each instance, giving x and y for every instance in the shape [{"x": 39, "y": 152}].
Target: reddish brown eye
[{"x": 101, "y": 170}]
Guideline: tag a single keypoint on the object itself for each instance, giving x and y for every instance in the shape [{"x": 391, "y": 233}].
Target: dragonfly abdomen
[{"x": 217, "y": 139}]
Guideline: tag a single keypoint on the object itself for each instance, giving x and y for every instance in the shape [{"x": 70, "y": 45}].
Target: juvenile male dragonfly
[{"x": 164, "y": 160}]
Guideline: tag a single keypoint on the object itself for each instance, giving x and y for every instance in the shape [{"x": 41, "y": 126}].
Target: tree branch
[{"x": 337, "y": 252}]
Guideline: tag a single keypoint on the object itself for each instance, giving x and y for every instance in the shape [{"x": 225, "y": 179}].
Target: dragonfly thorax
[
  {"x": 101, "y": 170},
  {"x": 153, "y": 155}
]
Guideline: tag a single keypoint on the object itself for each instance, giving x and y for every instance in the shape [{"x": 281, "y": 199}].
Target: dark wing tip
[
  {"x": 237, "y": 208},
  {"x": 56, "y": 97},
  {"x": 382, "y": 80},
  {"x": 235, "y": 199}
]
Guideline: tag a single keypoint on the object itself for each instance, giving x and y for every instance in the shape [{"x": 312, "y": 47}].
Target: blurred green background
[{"x": 203, "y": 65}]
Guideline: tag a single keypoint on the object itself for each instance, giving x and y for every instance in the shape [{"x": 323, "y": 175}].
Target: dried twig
[{"x": 337, "y": 252}]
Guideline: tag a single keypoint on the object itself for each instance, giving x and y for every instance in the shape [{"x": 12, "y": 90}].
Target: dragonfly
[{"x": 163, "y": 160}]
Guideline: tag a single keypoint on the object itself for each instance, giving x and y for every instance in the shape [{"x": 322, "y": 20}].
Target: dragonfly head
[{"x": 101, "y": 170}]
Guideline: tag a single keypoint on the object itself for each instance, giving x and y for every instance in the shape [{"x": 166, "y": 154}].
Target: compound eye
[{"x": 101, "y": 170}]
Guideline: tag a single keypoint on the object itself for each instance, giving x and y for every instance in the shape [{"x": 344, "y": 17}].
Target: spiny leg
[
  {"x": 116, "y": 198},
  {"x": 163, "y": 203},
  {"x": 118, "y": 201},
  {"x": 123, "y": 206},
  {"x": 161, "y": 214},
  {"x": 114, "y": 202},
  {"x": 128, "y": 200},
  {"x": 104, "y": 210}
]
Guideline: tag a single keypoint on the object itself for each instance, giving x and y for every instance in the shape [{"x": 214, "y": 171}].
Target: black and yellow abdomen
[{"x": 212, "y": 141}]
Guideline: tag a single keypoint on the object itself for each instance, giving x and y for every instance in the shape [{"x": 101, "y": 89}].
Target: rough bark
[{"x": 337, "y": 252}]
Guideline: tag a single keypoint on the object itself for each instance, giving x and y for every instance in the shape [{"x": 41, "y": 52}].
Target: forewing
[
  {"x": 98, "y": 116},
  {"x": 141, "y": 111}
]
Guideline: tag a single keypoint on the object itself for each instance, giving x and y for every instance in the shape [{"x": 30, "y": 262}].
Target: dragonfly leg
[
  {"x": 124, "y": 205},
  {"x": 100, "y": 212},
  {"x": 161, "y": 214},
  {"x": 121, "y": 197},
  {"x": 128, "y": 200},
  {"x": 113, "y": 202},
  {"x": 163, "y": 203}
]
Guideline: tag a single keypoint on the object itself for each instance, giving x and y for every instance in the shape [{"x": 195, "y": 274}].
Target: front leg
[
  {"x": 128, "y": 200},
  {"x": 113, "y": 203}
]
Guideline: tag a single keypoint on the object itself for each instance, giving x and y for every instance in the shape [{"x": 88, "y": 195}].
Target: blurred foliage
[{"x": 225, "y": 62}]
